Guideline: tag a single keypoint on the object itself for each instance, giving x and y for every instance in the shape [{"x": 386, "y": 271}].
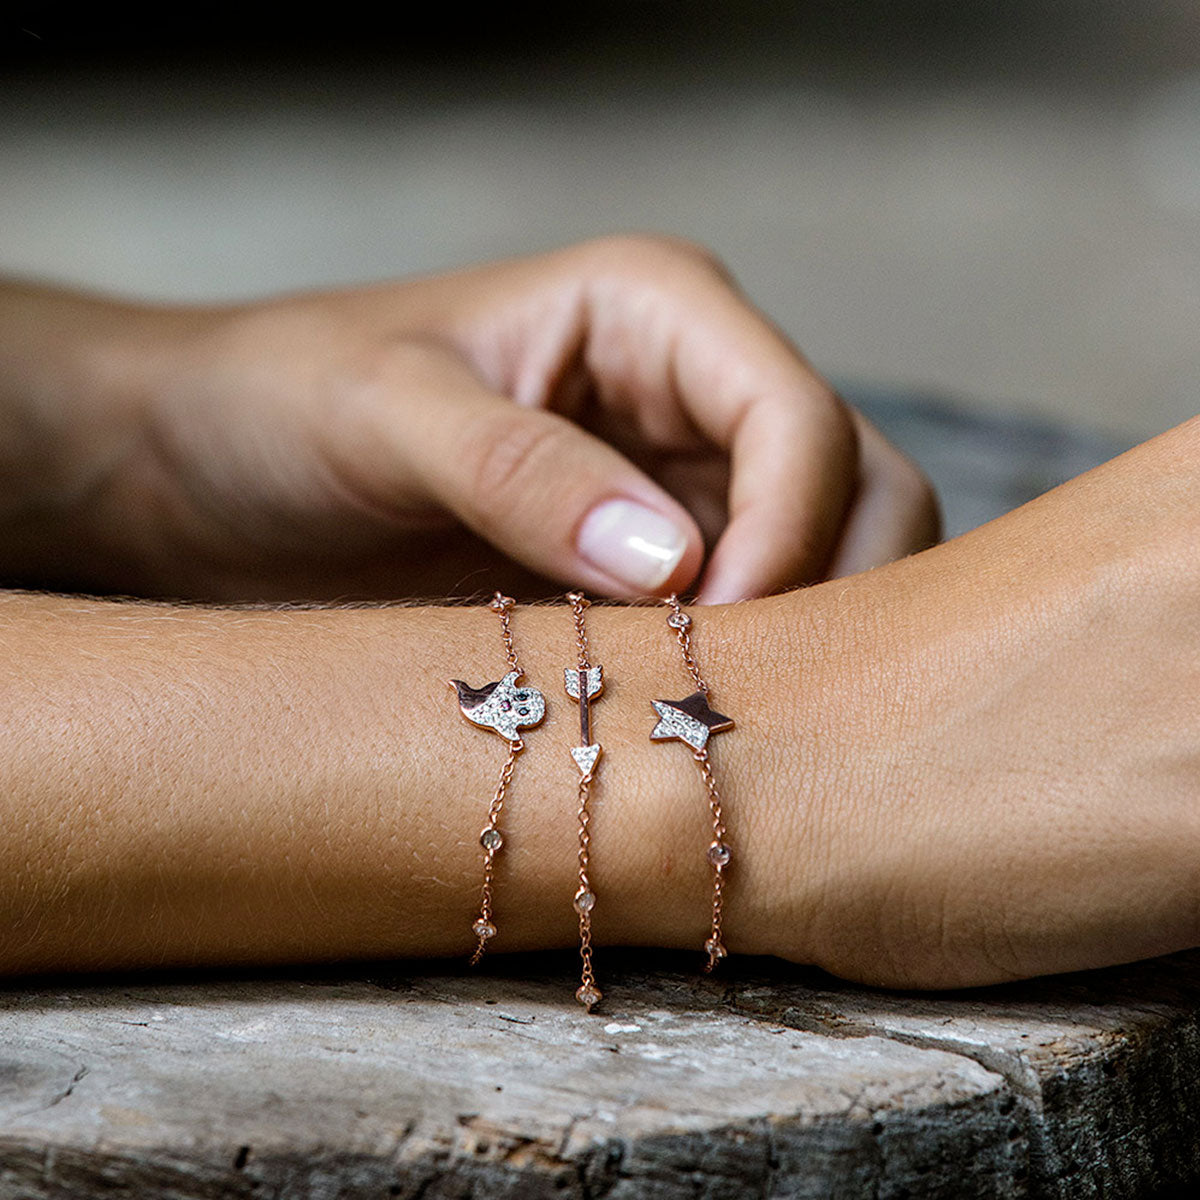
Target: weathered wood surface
[{"x": 771, "y": 1081}]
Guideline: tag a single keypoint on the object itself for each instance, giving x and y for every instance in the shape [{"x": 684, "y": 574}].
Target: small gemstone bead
[
  {"x": 719, "y": 854},
  {"x": 585, "y": 901},
  {"x": 716, "y": 949},
  {"x": 679, "y": 620},
  {"x": 483, "y": 929},
  {"x": 589, "y": 996},
  {"x": 491, "y": 839}
]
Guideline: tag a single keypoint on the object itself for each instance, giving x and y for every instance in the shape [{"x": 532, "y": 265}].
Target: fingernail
[{"x": 637, "y": 545}]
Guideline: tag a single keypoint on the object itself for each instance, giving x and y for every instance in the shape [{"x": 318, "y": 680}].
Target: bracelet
[
  {"x": 584, "y": 683},
  {"x": 693, "y": 722},
  {"x": 504, "y": 708}
]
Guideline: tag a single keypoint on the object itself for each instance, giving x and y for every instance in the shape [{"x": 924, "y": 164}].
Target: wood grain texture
[{"x": 771, "y": 1081}]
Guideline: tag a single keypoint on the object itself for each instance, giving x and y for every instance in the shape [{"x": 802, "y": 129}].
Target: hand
[
  {"x": 594, "y": 416},
  {"x": 998, "y": 744}
]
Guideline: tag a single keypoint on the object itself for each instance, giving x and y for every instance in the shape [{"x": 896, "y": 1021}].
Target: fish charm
[{"x": 504, "y": 707}]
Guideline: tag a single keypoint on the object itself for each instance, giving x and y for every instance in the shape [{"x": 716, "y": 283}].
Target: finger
[
  {"x": 550, "y": 495},
  {"x": 785, "y": 508},
  {"x": 894, "y": 514},
  {"x": 671, "y": 338}
]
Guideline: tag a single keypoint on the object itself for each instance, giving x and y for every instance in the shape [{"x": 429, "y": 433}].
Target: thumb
[{"x": 545, "y": 492}]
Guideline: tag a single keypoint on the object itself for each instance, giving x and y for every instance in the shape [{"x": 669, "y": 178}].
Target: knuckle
[
  {"x": 657, "y": 254},
  {"x": 506, "y": 455},
  {"x": 835, "y": 423}
]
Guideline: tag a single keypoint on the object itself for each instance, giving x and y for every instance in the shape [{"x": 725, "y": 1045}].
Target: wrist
[
  {"x": 781, "y": 668},
  {"x": 72, "y": 373}
]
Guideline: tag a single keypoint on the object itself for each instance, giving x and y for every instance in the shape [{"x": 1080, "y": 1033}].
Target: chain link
[
  {"x": 484, "y": 920},
  {"x": 502, "y": 604},
  {"x": 681, "y": 622}
]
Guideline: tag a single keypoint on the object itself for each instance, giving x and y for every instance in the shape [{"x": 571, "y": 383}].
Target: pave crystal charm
[
  {"x": 504, "y": 707},
  {"x": 689, "y": 720},
  {"x": 585, "y": 901},
  {"x": 679, "y": 620},
  {"x": 589, "y": 996},
  {"x": 483, "y": 929},
  {"x": 491, "y": 839},
  {"x": 719, "y": 854},
  {"x": 716, "y": 949}
]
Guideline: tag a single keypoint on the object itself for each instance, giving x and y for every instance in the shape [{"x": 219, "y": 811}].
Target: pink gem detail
[{"x": 719, "y": 854}]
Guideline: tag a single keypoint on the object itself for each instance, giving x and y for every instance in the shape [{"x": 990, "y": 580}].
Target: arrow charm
[{"x": 584, "y": 684}]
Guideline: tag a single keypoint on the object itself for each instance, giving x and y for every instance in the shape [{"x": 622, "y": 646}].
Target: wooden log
[{"x": 427, "y": 1081}]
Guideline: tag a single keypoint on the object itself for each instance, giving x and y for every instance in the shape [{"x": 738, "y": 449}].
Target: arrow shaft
[{"x": 585, "y": 710}]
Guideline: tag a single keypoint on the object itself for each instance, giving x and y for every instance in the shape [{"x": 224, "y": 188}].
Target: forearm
[{"x": 189, "y": 785}]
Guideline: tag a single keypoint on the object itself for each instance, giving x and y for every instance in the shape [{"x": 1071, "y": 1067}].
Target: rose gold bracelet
[
  {"x": 693, "y": 722},
  {"x": 584, "y": 683},
  {"x": 504, "y": 708}
]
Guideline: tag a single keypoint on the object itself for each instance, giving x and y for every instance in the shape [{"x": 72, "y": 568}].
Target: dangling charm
[
  {"x": 583, "y": 683},
  {"x": 693, "y": 721},
  {"x": 504, "y": 707}
]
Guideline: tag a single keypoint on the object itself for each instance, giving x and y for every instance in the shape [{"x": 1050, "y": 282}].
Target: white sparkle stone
[
  {"x": 719, "y": 854},
  {"x": 675, "y": 724},
  {"x": 510, "y": 707},
  {"x": 585, "y": 757},
  {"x": 595, "y": 681},
  {"x": 589, "y": 996}
]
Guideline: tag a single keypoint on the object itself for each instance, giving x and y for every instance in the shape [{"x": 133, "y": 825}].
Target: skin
[
  {"x": 436, "y": 437},
  {"x": 974, "y": 764}
]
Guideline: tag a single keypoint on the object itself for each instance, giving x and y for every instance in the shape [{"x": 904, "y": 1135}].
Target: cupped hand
[
  {"x": 614, "y": 416},
  {"x": 988, "y": 755}
]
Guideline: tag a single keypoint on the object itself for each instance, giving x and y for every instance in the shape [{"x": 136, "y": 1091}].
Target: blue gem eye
[
  {"x": 522, "y": 695},
  {"x": 524, "y": 712}
]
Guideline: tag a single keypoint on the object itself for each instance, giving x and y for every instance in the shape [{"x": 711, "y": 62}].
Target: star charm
[{"x": 689, "y": 720}]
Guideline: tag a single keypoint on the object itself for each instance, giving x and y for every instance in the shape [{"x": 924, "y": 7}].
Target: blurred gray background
[{"x": 998, "y": 203}]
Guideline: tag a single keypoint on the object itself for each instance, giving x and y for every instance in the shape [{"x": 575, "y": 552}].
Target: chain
[
  {"x": 502, "y": 707},
  {"x": 718, "y": 858},
  {"x": 583, "y": 684},
  {"x": 491, "y": 839},
  {"x": 502, "y": 604},
  {"x": 682, "y": 624},
  {"x": 693, "y": 723}
]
